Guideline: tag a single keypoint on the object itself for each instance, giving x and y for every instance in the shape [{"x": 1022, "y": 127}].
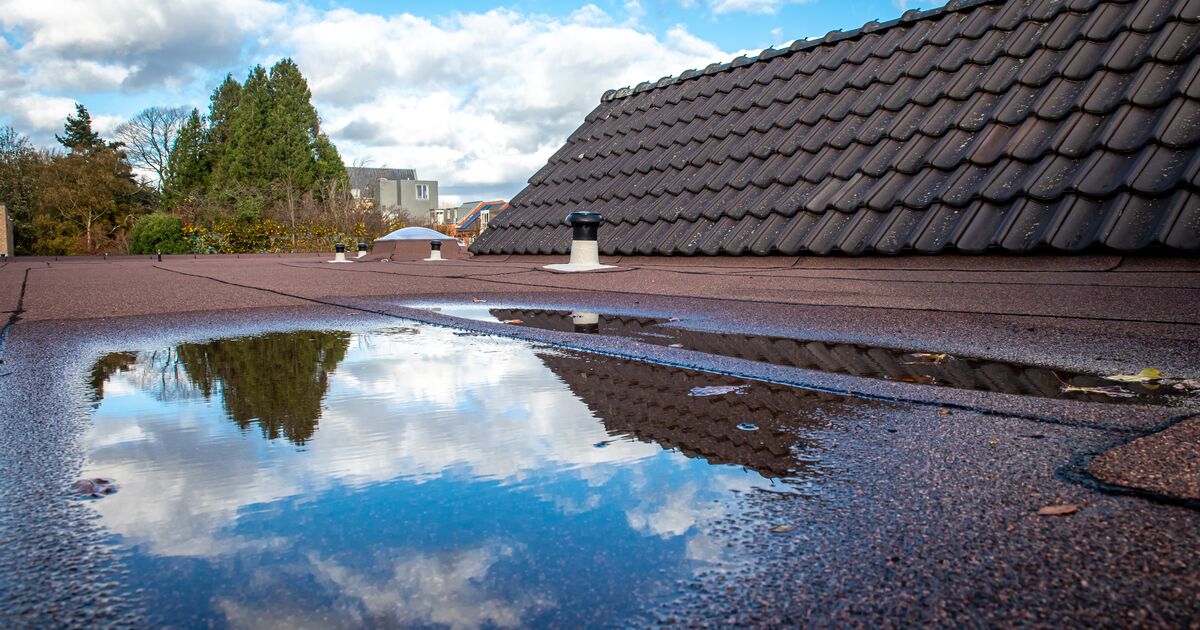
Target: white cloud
[
  {"x": 477, "y": 101},
  {"x": 767, "y": 7},
  {"x": 479, "y": 113},
  {"x": 134, "y": 43}
]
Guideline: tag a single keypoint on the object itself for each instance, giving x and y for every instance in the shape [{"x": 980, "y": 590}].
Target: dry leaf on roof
[
  {"x": 1058, "y": 510},
  {"x": 718, "y": 390},
  {"x": 924, "y": 379},
  {"x": 512, "y": 321},
  {"x": 477, "y": 300},
  {"x": 927, "y": 358},
  {"x": 1145, "y": 376},
  {"x": 1190, "y": 384},
  {"x": 1112, "y": 391},
  {"x": 782, "y": 529}
]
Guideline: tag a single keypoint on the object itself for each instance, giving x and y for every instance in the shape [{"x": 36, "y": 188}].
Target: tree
[
  {"x": 292, "y": 125},
  {"x": 19, "y": 164},
  {"x": 188, "y": 166},
  {"x": 149, "y": 136},
  {"x": 222, "y": 106},
  {"x": 159, "y": 233},
  {"x": 77, "y": 132},
  {"x": 89, "y": 193},
  {"x": 248, "y": 158}
]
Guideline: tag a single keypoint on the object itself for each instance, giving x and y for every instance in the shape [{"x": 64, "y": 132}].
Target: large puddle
[
  {"x": 927, "y": 368},
  {"x": 417, "y": 477}
]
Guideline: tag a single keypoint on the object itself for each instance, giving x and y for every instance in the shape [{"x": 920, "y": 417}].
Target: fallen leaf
[
  {"x": 920, "y": 378},
  {"x": 477, "y": 300},
  {"x": 924, "y": 358},
  {"x": 1145, "y": 376},
  {"x": 512, "y": 321},
  {"x": 782, "y": 529},
  {"x": 1058, "y": 510},
  {"x": 1187, "y": 385},
  {"x": 718, "y": 390},
  {"x": 1112, "y": 391},
  {"x": 944, "y": 412},
  {"x": 676, "y": 345}
]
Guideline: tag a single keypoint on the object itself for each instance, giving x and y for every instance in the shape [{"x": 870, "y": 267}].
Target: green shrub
[{"x": 157, "y": 232}]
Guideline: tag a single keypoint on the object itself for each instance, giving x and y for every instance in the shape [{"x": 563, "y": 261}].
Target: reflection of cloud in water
[
  {"x": 412, "y": 406},
  {"x": 415, "y": 589}
]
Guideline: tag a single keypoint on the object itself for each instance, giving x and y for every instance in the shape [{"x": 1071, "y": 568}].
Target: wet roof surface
[
  {"x": 988, "y": 125},
  {"x": 910, "y": 366},
  {"x": 927, "y": 514}
]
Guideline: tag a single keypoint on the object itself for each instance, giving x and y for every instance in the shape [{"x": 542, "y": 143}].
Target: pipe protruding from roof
[
  {"x": 435, "y": 251},
  {"x": 585, "y": 226},
  {"x": 339, "y": 255},
  {"x": 586, "y": 322},
  {"x": 362, "y": 250},
  {"x": 585, "y": 247}
]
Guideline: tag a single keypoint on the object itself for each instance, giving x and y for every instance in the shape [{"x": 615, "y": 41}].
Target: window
[{"x": 423, "y": 192}]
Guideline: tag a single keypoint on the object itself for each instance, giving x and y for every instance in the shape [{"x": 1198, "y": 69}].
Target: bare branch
[{"x": 148, "y": 137}]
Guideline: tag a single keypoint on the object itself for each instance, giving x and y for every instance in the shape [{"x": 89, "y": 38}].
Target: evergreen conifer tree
[
  {"x": 188, "y": 167},
  {"x": 77, "y": 132}
]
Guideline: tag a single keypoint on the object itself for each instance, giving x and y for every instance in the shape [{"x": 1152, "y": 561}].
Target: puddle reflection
[
  {"x": 840, "y": 358},
  {"x": 413, "y": 477}
]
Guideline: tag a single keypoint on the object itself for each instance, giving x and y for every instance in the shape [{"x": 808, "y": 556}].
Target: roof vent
[{"x": 585, "y": 249}]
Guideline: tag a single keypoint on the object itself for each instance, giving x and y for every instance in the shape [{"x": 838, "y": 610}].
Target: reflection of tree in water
[
  {"x": 276, "y": 380},
  {"x": 108, "y": 365}
]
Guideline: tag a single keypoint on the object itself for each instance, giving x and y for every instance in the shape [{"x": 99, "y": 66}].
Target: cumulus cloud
[
  {"x": 129, "y": 43},
  {"x": 768, "y": 7},
  {"x": 451, "y": 97},
  {"x": 452, "y": 100}
]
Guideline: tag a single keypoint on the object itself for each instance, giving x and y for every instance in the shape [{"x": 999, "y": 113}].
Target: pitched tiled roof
[
  {"x": 981, "y": 125},
  {"x": 469, "y": 219}
]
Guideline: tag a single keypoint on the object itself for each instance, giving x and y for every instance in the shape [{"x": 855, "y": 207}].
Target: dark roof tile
[{"x": 998, "y": 124}]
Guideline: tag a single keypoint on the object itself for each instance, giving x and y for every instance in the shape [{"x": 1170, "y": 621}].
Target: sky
[{"x": 476, "y": 94}]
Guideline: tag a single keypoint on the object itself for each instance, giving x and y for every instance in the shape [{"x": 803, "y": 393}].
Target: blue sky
[{"x": 475, "y": 94}]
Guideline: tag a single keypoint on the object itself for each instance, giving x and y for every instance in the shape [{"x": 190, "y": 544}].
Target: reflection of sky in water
[{"x": 449, "y": 481}]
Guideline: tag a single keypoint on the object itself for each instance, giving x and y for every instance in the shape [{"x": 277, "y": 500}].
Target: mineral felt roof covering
[{"x": 982, "y": 125}]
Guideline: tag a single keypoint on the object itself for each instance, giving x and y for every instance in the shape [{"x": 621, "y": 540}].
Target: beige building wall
[{"x": 6, "y": 232}]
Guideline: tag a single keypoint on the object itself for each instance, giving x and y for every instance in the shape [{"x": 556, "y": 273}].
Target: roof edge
[{"x": 800, "y": 45}]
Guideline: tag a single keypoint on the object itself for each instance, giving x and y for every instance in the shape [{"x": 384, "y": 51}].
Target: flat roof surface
[{"x": 932, "y": 516}]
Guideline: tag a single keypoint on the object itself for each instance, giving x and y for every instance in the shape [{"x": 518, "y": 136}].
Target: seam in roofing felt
[
  {"x": 468, "y": 325},
  {"x": 13, "y": 318}
]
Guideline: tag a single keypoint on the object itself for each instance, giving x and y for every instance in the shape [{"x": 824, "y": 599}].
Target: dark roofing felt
[{"x": 981, "y": 125}]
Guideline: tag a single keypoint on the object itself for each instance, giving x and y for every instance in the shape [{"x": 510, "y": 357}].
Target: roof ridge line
[{"x": 832, "y": 37}]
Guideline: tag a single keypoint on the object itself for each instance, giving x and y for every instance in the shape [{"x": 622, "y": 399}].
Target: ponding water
[
  {"x": 926, "y": 367},
  {"x": 413, "y": 477}
]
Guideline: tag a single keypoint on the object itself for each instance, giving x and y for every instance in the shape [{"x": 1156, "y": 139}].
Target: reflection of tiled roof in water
[
  {"x": 898, "y": 365},
  {"x": 650, "y": 402}
]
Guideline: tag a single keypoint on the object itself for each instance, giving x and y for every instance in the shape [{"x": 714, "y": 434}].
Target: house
[
  {"x": 474, "y": 221},
  {"x": 981, "y": 126},
  {"x": 7, "y": 245},
  {"x": 393, "y": 190},
  {"x": 450, "y": 216}
]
